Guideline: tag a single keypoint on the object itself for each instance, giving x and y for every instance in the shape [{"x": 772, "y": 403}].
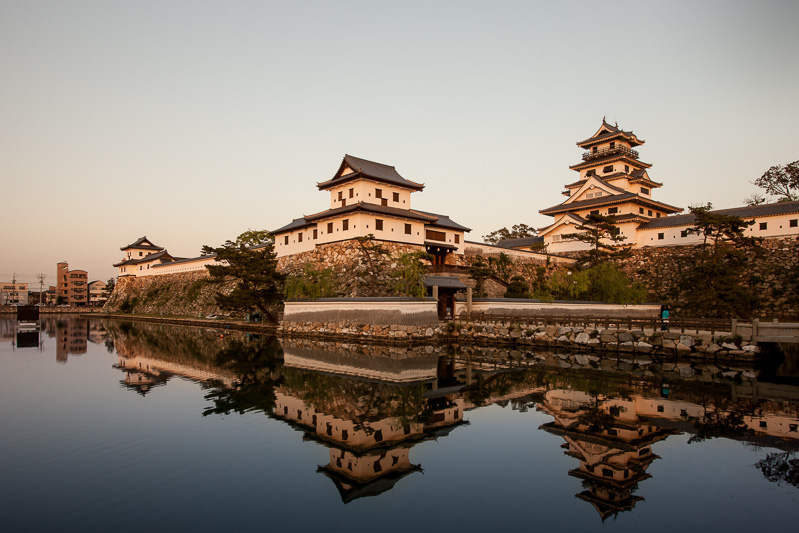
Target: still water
[{"x": 123, "y": 426}]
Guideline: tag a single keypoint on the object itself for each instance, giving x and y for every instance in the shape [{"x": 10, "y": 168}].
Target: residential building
[
  {"x": 71, "y": 285},
  {"x": 97, "y": 295},
  {"x": 371, "y": 198},
  {"x": 13, "y": 293}
]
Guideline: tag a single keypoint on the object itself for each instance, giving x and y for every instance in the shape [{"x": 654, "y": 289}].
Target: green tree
[
  {"x": 407, "y": 275},
  {"x": 313, "y": 283},
  {"x": 517, "y": 288},
  {"x": 249, "y": 261},
  {"x": 501, "y": 266},
  {"x": 601, "y": 234},
  {"x": 714, "y": 283},
  {"x": 781, "y": 181},
  {"x": 479, "y": 271},
  {"x": 517, "y": 231}
]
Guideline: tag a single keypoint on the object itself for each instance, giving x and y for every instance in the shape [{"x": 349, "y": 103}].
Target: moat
[{"x": 116, "y": 425}]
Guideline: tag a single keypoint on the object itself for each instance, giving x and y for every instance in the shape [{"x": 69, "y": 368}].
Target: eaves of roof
[
  {"x": 608, "y": 200},
  {"x": 609, "y": 159}
]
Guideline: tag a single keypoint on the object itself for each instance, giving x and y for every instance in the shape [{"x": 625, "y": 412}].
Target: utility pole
[
  {"x": 14, "y": 288},
  {"x": 41, "y": 277}
]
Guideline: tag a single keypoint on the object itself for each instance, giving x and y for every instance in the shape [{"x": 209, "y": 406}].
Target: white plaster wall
[
  {"x": 404, "y": 307},
  {"x": 364, "y": 191},
  {"x": 472, "y": 248}
]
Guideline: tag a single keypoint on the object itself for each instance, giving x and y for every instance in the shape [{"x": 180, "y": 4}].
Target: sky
[{"x": 192, "y": 121}]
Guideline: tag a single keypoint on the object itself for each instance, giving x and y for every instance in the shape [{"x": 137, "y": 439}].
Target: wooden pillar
[
  {"x": 755, "y": 324},
  {"x": 469, "y": 301},
  {"x": 435, "y": 292}
]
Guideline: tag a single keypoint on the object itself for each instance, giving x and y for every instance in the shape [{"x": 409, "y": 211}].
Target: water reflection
[{"x": 370, "y": 406}]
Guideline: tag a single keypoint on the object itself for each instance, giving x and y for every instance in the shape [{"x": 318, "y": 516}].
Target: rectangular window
[
  {"x": 661, "y": 236},
  {"x": 594, "y": 149},
  {"x": 396, "y": 197},
  {"x": 378, "y": 224},
  {"x": 626, "y": 168},
  {"x": 407, "y": 229},
  {"x": 598, "y": 193},
  {"x": 434, "y": 235},
  {"x": 384, "y": 201},
  {"x": 657, "y": 215},
  {"x": 352, "y": 193},
  {"x": 340, "y": 196},
  {"x": 556, "y": 238},
  {"x": 649, "y": 212},
  {"x": 329, "y": 227},
  {"x": 457, "y": 239},
  {"x": 613, "y": 210},
  {"x": 607, "y": 169},
  {"x": 612, "y": 145},
  {"x": 299, "y": 237},
  {"x": 793, "y": 223},
  {"x": 684, "y": 233},
  {"x": 378, "y": 193},
  {"x": 315, "y": 234},
  {"x": 644, "y": 190},
  {"x": 641, "y": 210},
  {"x": 345, "y": 224},
  {"x": 286, "y": 239},
  {"x": 590, "y": 173},
  {"x": 764, "y": 225},
  {"x": 595, "y": 212}
]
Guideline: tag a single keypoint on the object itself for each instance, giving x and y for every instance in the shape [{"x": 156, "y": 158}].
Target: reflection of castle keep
[{"x": 613, "y": 447}]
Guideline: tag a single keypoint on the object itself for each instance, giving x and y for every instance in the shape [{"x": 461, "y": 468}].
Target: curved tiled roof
[
  {"x": 607, "y": 200},
  {"x": 363, "y": 168},
  {"x": 140, "y": 246},
  {"x": 751, "y": 211}
]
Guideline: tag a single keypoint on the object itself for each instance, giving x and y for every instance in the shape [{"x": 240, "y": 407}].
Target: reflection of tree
[
  {"x": 719, "y": 424},
  {"x": 257, "y": 365},
  {"x": 780, "y": 468}
]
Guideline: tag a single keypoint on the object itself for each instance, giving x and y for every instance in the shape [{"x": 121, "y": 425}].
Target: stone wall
[
  {"x": 702, "y": 345},
  {"x": 774, "y": 275},
  {"x": 185, "y": 294}
]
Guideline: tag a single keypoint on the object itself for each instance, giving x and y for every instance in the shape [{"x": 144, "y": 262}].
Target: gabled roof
[
  {"x": 571, "y": 217},
  {"x": 597, "y": 184},
  {"x": 620, "y": 156},
  {"x": 163, "y": 255},
  {"x": 745, "y": 212},
  {"x": 142, "y": 244},
  {"x": 297, "y": 223},
  {"x": 363, "y": 168},
  {"x": 431, "y": 219},
  {"x": 444, "y": 221},
  {"x": 520, "y": 242},
  {"x": 446, "y": 282},
  {"x": 609, "y": 200},
  {"x": 607, "y": 132}
]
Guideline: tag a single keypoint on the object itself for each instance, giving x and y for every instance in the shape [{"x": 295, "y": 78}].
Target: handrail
[{"x": 605, "y": 151}]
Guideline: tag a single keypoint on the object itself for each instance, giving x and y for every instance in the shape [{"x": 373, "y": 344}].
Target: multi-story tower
[
  {"x": 371, "y": 198},
  {"x": 613, "y": 181}
]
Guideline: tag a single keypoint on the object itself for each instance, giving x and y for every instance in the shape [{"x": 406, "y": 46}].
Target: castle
[{"x": 369, "y": 198}]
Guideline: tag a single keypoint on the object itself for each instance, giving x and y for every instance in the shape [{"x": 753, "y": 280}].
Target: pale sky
[{"x": 192, "y": 121}]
